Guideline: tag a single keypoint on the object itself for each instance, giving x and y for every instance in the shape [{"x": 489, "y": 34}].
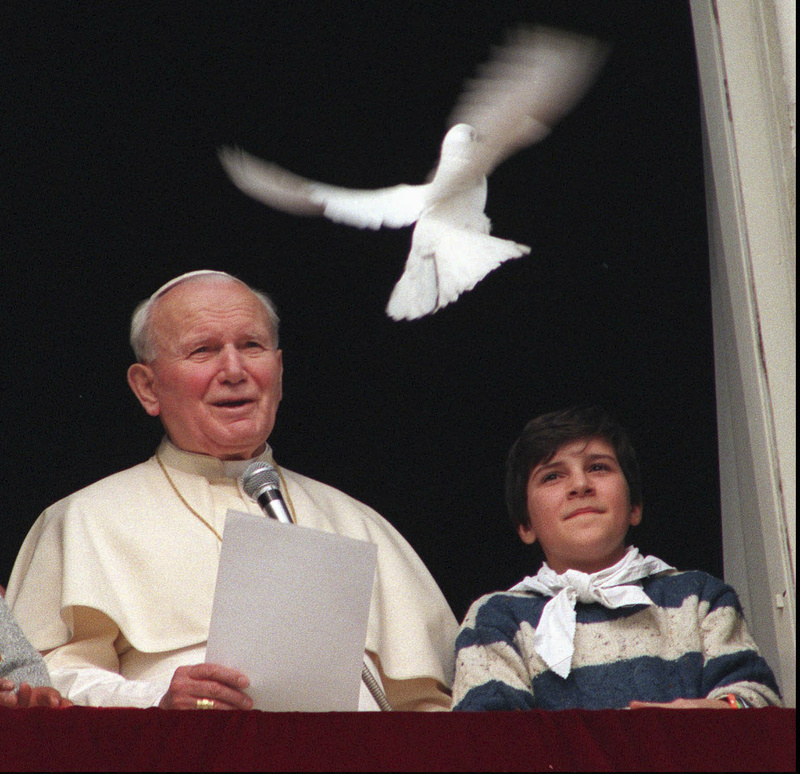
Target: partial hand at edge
[
  {"x": 29, "y": 696},
  {"x": 683, "y": 704}
]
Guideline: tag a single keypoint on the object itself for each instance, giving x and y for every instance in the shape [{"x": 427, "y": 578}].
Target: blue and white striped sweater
[{"x": 692, "y": 643}]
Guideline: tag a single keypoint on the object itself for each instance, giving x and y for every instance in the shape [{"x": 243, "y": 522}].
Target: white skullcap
[{"x": 189, "y": 274}]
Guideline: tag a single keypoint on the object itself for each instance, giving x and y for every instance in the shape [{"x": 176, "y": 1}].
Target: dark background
[{"x": 113, "y": 114}]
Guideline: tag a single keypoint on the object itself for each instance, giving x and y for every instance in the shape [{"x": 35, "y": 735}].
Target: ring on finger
[{"x": 205, "y": 704}]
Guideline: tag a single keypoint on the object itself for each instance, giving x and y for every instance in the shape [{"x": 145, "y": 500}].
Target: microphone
[{"x": 261, "y": 483}]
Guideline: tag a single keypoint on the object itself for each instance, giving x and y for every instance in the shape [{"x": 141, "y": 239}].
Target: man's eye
[
  {"x": 599, "y": 466},
  {"x": 549, "y": 477},
  {"x": 253, "y": 347}
]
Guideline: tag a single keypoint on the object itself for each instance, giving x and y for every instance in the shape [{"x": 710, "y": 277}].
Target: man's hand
[
  {"x": 27, "y": 696},
  {"x": 207, "y": 686},
  {"x": 683, "y": 704}
]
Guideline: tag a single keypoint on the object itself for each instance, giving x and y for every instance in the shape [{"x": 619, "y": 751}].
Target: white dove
[{"x": 529, "y": 84}]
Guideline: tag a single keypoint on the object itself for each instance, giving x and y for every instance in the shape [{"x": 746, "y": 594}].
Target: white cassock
[{"x": 117, "y": 582}]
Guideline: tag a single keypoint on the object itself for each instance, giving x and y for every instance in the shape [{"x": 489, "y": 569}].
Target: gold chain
[
  {"x": 196, "y": 514},
  {"x": 183, "y": 499},
  {"x": 288, "y": 496}
]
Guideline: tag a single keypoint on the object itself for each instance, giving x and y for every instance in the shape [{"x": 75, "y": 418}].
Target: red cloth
[{"x": 85, "y": 739}]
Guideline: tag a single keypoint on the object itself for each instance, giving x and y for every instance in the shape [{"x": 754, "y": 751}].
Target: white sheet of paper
[{"x": 290, "y": 611}]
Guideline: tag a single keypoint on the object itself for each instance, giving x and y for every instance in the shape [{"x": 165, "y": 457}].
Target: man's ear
[
  {"x": 279, "y": 353},
  {"x": 526, "y": 534},
  {"x": 636, "y": 515},
  {"x": 140, "y": 379}
]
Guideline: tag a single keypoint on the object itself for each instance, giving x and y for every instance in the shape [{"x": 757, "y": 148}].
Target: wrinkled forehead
[{"x": 208, "y": 299}]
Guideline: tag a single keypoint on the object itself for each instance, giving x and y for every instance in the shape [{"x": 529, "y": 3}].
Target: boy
[{"x": 599, "y": 626}]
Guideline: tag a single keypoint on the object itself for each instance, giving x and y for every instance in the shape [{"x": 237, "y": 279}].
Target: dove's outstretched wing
[
  {"x": 530, "y": 83},
  {"x": 392, "y": 207}
]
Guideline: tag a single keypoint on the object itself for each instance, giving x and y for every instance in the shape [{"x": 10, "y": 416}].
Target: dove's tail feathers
[
  {"x": 461, "y": 260},
  {"x": 416, "y": 292},
  {"x": 270, "y": 184},
  {"x": 464, "y": 258}
]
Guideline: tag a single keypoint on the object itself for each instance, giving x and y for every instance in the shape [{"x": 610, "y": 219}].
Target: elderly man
[{"x": 115, "y": 583}]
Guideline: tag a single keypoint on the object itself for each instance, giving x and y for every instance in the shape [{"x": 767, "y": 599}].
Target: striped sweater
[{"x": 692, "y": 643}]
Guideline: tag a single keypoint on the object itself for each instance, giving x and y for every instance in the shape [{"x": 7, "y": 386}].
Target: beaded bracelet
[{"x": 736, "y": 702}]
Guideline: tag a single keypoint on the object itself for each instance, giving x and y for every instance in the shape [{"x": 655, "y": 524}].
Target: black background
[{"x": 113, "y": 114}]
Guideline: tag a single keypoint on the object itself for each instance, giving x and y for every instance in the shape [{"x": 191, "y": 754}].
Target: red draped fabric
[{"x": 85, "y": 739}]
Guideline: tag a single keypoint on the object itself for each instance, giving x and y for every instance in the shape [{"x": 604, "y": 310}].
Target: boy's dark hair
[{"x": 545, "y": 435}]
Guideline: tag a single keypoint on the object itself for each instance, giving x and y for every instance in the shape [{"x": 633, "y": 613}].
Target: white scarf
[{"x": 615, "y": 586}]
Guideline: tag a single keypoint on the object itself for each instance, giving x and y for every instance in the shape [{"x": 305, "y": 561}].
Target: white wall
[{"x": 744, "y": 51}]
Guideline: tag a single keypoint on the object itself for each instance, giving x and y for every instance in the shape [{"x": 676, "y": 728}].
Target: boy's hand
[
  {"x": 683, "y": 704},
  {"x": 28, "y": 696}
]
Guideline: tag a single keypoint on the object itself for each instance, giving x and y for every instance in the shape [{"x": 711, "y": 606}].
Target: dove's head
[
  {"x": 459, "y": 138},
  {"x": 457, "y": 158}
]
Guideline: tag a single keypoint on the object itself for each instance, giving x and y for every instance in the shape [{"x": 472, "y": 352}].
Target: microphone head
[{"x": 259, "y": 477}]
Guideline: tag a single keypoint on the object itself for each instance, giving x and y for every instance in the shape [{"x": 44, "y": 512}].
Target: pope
[{"x": 115, "y": 583}]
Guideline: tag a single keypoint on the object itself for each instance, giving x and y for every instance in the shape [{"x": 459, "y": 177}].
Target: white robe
[{"x": 117, "y": 581}]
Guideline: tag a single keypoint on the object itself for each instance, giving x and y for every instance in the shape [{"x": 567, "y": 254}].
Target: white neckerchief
[{"x": 615, "y": 586}]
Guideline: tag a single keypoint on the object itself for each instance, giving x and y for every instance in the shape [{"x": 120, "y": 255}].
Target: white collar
[
  {"x": 615, "y": 586},
  {"x": 204, "y": 465}
]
